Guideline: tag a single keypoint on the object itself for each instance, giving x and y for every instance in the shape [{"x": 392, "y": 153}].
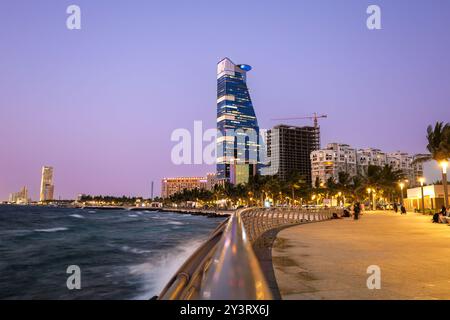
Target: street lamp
[
  {"x": 369, "y": 190},
  {"x": 444, "y": 165},
  {"x": 422, "y": 180},
  {"x": 402, "y": 185},
  {"x": 374, "y": 204}
]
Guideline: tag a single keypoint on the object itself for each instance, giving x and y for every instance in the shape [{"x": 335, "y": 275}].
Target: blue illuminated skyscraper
[{"x": 238, "y": 131}]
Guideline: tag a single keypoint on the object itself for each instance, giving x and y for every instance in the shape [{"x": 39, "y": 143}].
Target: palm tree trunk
[{"x": 444, "y": 182}]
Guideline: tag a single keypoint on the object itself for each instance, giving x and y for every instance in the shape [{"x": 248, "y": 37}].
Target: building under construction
[{"x": 289, "y": 149}]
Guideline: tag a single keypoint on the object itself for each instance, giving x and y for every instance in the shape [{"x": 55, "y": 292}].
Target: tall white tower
[{"x": 47, "y": 187}]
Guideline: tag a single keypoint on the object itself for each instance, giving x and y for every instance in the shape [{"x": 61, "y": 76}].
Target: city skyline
[{"x": 109, "y": 132}]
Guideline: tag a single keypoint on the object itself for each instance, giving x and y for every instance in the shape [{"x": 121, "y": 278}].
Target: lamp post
[
  {"x": 374, "y": 204},
  {"x": 444, "y": 165},
  {"x": 369, "y": 191},
  {"x": 422, "y": 180},
  {"x": 402, "y": 185}
]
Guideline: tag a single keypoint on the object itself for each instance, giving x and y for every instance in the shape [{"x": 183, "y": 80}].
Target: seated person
[
  {"x": 346, "y": 213},
  {"x": 439, "y": 218}
]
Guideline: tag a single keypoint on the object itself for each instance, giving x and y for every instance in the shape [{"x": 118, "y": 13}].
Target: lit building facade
[
  {"x": 433, "y": 198},
  {"x": 289, "y": 149},
  {"x": 47, "y": 187},
  {"x": 170, "y": 186},
  {"x": 20, "y": 197},
  {"x": 327, "y": 163},
  {"x": 237, "y": 126},
  {"x": 211, "y": 181}
]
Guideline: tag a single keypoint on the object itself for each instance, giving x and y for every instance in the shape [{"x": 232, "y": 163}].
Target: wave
[
  {"x": 157, "y": 272},
  {"x": 134, "y": 250},
  {"x": 51, "y": 229},
  {"x": 133, "y": 215},
  {"x": 79, "y": 216},
  {"x": 92, "y": 211},
  {"x": 15, "y": 232},
  {"x": 177, "y": 223}
]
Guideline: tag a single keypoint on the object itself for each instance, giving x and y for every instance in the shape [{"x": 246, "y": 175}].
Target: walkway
[{"x": 329, "y": 260}]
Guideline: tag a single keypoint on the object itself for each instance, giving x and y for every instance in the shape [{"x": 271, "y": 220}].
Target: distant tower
[
  {"x": 151, "y": 196},
  {"x": 47, "y": 187}
]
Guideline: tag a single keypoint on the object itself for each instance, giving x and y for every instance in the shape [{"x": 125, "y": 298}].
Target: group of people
[
  {"x": 441, "y": 216},
  {"x": 402, "y": 209},
  {"x": 356, "y": 211}
]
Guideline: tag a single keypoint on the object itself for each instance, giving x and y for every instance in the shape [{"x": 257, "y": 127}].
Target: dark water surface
[{"x": 121, "y": 254}]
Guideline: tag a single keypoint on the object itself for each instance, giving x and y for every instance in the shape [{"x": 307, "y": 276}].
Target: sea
[{"x": 115, "y": 254}]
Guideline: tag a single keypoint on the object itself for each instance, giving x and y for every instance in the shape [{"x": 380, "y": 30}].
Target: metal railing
[{"x": 225, "y": 266}]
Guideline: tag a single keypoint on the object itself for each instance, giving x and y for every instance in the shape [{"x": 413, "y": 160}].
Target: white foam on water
[
  {"x": 177, "y": 223},
  {"x": 51, "y": 230},
  {"x": 157, "y": 272},
  {"x": 79, "y": 216},
  {"x": 92, "y": 211},
  {"x": 134, "y": 250},
  {"x": 133, "y": 215}
]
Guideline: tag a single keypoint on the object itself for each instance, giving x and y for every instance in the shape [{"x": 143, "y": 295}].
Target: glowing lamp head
[
  {"x": 422, "y": 180},
  {"x": 444, "y": 165},
  {"x": 402, "y": 185}
]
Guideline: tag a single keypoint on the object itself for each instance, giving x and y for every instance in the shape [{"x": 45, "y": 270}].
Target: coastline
[{"x": 192, "y": 211}]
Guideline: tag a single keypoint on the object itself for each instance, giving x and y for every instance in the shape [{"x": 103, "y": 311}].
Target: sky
[{"x": 99, "y": 104}]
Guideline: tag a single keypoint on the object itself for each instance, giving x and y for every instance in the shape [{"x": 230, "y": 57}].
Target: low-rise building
[
  {"x": 433, "y": 196},
  {"x": 327, "y": 163},
  {"x": 170, "y": 186}
]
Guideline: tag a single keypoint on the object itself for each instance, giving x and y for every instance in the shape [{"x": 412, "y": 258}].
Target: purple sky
[{"x": 100, "y": 104}]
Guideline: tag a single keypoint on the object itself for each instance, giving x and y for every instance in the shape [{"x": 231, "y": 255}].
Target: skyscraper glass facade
[{"x": 238, "y": 131}]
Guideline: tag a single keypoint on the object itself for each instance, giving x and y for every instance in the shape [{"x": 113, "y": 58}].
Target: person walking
[
  {"x": 403, "y": 209},
  {"x": 356, "y": 210},
  {"x": 395, "y": 208}
]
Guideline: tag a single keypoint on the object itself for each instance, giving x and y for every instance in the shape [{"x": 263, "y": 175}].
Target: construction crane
[{"x": 315, "y": 117}]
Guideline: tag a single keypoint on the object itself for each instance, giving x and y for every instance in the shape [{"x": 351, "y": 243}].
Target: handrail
[
  {"x": 225, "y": 266},
  {"x": 235, "y": 271}
]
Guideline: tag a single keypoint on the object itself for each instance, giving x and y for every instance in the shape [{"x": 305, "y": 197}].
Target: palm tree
[
  {"x": 439, "y": 148},
  {"x": 296, "y": 182},
  {"x": 344, "y": 183},
  {"x": 389, "y": 179},
  {"x": 381, "y": 180}
]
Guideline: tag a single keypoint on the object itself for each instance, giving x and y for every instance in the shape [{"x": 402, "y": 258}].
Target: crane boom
[{"x": 315, "y": 117}]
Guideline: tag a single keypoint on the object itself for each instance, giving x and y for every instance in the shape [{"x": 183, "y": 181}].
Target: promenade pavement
[{"x": 329, "y": 260}]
